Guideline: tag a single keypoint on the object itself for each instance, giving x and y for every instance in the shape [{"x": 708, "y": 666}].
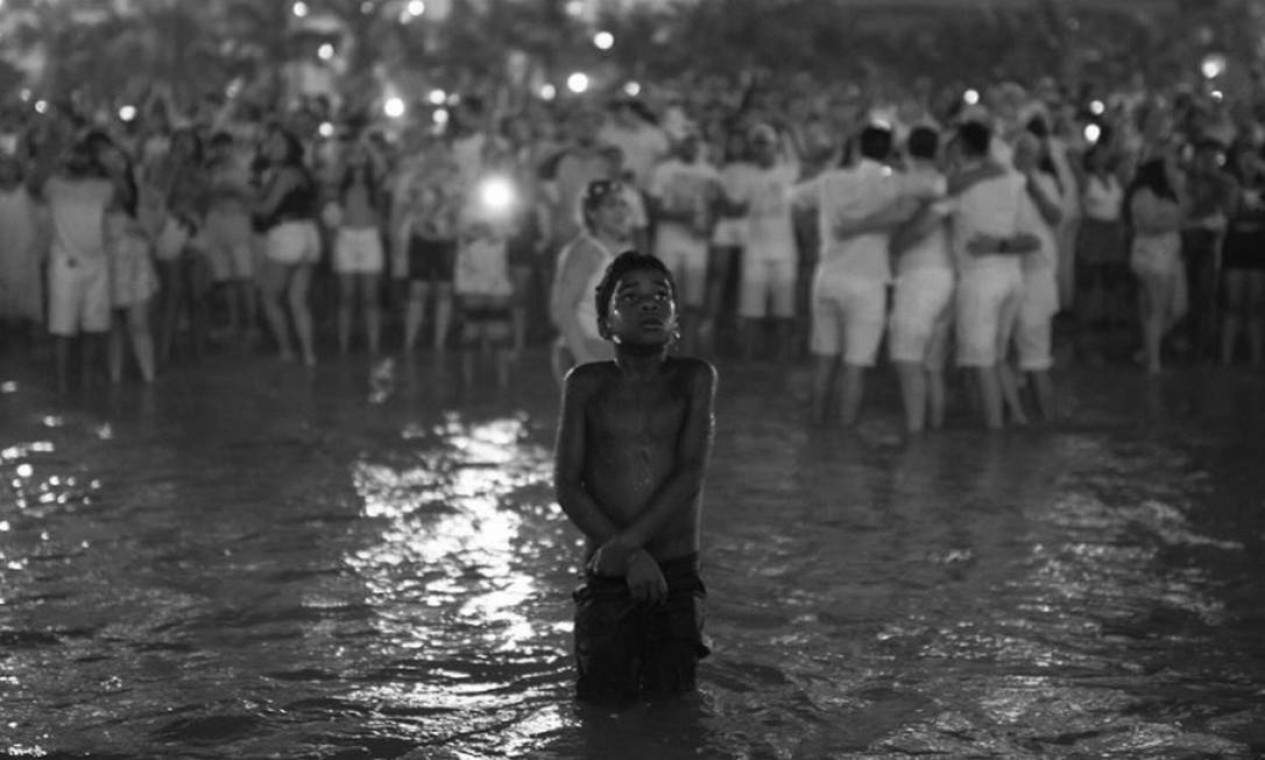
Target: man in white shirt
[
  {"x": 922, "y": 310},
  {"x": 681, "y": 192},
  {"x": 644, "y": 144},
  {"x": 988, "y": 239}
]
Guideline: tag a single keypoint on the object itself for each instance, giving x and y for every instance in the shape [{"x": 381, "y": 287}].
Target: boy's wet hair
[{"x": 625, "y": 263}]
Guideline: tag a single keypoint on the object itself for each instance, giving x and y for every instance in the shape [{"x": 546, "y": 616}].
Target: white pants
[
  {"x": 921, "y": 313},
  {"x": 848, "y": 315}
]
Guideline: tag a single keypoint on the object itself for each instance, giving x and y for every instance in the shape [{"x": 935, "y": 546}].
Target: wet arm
[
  {"x": 571, "y": 288},
  {"x": 694, "y": 447},
  {"x": 276, "y": 193},
  {"x": 569, "y": 456},
  {"x": 1049, "y": 208}
]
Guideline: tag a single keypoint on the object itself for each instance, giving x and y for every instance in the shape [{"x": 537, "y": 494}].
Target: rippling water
[{"x": 252, "y": 562}]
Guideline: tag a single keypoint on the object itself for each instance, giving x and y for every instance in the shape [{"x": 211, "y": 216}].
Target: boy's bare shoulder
[
  {"x": 590, "y": 376},
  {"x": 694, "y": 370}
]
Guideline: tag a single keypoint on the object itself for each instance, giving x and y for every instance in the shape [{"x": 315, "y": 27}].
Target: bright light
[
  {"x": 1092, "y": 133},
  {"x": 127, "y": 113},
  {"x": 25, "y": 95},
  {"x": 632, "y": 89},
  {"x": 234, "y": 88},
  {"x": 575, "y": 8},
  {"x": 326, "y": 130},
  {"x": 578, "y": 82},
  {"x": 497, "y": 194},
  {"x": 1097, "y": 108},
  {"x": 414, "y": 9},
  {"x": 41, "y": 106},
  {"x": 394, "y": 107},
  {"x": 437, "y": 97},
  {"x": 548, "y": 92},
  {"x": 971, "y": 97},
  {"x": 326, "y": 52},
  {"x": 25, "y": 470},
  {"x": 300, "y": 9},
  {"x": 441, "y": 116},
  {"x": 1213, "y": 65},
  {"x": 604, "y": 40},
  {"x": 1218, "y": 95}
]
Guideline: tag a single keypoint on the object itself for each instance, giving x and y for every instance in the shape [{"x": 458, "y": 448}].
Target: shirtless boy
[{"x": 633, "y": 445}]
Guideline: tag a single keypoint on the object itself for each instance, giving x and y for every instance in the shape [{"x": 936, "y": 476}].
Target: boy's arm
[
  {"x": 568, "y": 475},
  {"x": 693, "y": 450}
]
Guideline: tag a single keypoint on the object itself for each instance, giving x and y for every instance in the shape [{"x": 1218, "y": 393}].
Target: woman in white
[
  {"x": 21, "y": 287},
  {"x": 1155, "y": 212},
  {"x": 359, "y": 259},
  {"x": 133, "y": 279},
  {"x": 1101, "y": 250},
  {"x": 573, "y": 305},
  {"x": 287, "y": 212}
]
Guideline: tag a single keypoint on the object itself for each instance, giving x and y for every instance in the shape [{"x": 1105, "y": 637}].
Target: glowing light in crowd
[
  {"x": 578, "y": 82},
  {"x": 1218, "y": 96},
  {"x": 1213, "y": 65},
  {"x": 437, "y": 97},
  {"x": 1097, "y": 108},
  {"x": 127, "y": 113},
  {"x": 632, "y": 89},
  {"x": 326, "y": 52},
  {"x": 548, "y": 92},
  {"x": 394, "y": 107},
  {"x": 414, "y": 9},
  {"x": 300, "y": 9},
  {"x": 25, "y": 95},
  {"x": 441, "y": 117},
  {"x": 604, "y": 40},
  {"x": 971, "y": 97},
  {"x": 41, "y": 106},
  {"x": 326, "y": 129},
  {"x": 1092, "y": 133},
  {"x": 575, "y": 8},
  {"x": 497, "y": 194}
]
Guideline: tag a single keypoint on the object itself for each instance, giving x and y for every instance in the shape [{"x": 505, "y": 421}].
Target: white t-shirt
[
  {"x": 993, "y": 207},
  {"x": 644, "y": 147},
  {"x": 850, "y": 195},
  {"x": 679, "y": 186},
  {"x": 1047, "y": 256},
  {"x": 932, "y": 251},
  {"x": 770, "y": 227},
  {"x": 77, "y": 207}
]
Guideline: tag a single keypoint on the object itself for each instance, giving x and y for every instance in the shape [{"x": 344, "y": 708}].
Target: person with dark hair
[
  {"x": 287, "y": 212},
  {"x": 78, "y": 195},
  {"x": 634, "y": 442},
  {"x": 1244, "y": 260},
  {"x": 989, "y": 237},
  {"x": 359, "y": 260},
  {"x": 227, "y": 233},
  {"x": 1102, "y": 255},
  {"x": 580, "y": 268},
  {"x": 424, "y": 220},
  {"x": 1155, "y": 214}
]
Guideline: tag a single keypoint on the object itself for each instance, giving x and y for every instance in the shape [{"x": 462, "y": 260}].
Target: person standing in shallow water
[{"x": 634, "y": 441}]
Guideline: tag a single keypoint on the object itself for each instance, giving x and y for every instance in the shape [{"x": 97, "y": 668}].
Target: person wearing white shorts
[
  {"x": 681, "y": 192},
  {"x": 359, "y": 255},
  {"x": 288, "y": 213},
  {"x": 767, "y": 289},
  {"x": 922, "y": 313},
  {"x": 989, "y": 236},
  {"x": 79, "y": 273},
  {"x": 229, "y": 234}
]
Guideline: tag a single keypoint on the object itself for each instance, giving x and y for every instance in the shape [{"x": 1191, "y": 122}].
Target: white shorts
[
  {"x": 297, "y": 242},
  {"x": 986, "y": 311},
  {"x": 848, "y": 316},
  {"x": 132, "y": 276},
  {"x": 921, "y": 314},
  {"x": 1033, "y": 333},
  {"x": 228, "y": 239},
  {"x": 78, "y": 296},
  {"x": 687, "y": 261},
  {"x": 730, "y": 233},
  {"x": 768, "y": 289},
  {"x": 358, "y": 251},
  {"x": 172, "y": 239}
]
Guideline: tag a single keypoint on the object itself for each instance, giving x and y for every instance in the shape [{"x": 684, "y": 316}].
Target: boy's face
[{"x": 642, "y": 310}]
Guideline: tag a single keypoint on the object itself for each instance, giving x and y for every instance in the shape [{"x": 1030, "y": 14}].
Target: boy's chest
[{"x": 639, "y": 413}]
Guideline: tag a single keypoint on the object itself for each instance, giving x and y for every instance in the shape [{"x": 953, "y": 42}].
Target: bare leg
[
  {"x": 936, "y": 394},
  {"x": 990, "y": 394},
  {"x": 443, "y": 314},
  {"x": 273, "y": 284},
  {"x": 751, "y": 328},
  {"x": 114, "y": 351},
  {"x": 370, "y": 301},
  {"x": 1235, "y": 297},
  {"x": 346, "y": 304},
  {"x": 853, "y": 391},
  {"x": 414, "y": 311},
  {"x": 823, "y": 383},
  {"x": 1010, "y": 392},
  {"x": 301, "y": 311},
  {"x": 63, "y": 363},
  {"x": 142, "y": 340},
  {"x": 1043, "y": 391},
  {"x": 914, "y": 394}
]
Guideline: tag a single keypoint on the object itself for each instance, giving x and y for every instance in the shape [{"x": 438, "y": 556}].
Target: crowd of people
[{"x": 932, "y": 228}]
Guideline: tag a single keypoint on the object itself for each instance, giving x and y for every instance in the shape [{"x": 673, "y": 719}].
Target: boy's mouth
[{"x": 651, "y": 323}]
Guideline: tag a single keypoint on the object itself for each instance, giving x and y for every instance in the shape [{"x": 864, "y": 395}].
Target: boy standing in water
[{"x": 633, "y": 445}]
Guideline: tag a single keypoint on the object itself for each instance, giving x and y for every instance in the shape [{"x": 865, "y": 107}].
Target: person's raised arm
[
  {"x": 693, "y": 450},
  {"x": 569, "y": 459},
  {"x": 1049, "y": 208}
]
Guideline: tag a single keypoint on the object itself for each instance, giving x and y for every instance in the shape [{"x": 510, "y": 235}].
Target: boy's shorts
[
  {"x": 767, "y": 288},
  {"x": 625, "y": 649},
  {"x": 78, "y": 296}
]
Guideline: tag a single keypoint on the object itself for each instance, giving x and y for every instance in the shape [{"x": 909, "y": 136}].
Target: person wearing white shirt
[
  {"x": 681, "y": 192},
  {"x": 849, "y": 290},
  {"x": 1040, "y": 300},
  {"x": 988, "y": 238},
  {"x": 922, "y": 308},
  {"x": 763, "y": 196}
]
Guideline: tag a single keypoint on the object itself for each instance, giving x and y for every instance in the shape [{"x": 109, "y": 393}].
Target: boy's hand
[
  {"x": 611, "y": 559},
  {"x": 645, "y": 580}
]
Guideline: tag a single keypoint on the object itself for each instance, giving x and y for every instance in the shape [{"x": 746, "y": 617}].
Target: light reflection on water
[{"x": 308, "y": 574}]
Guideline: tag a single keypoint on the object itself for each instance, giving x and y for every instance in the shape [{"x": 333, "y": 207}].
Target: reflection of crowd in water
[{"x": 928, "y": 230}]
